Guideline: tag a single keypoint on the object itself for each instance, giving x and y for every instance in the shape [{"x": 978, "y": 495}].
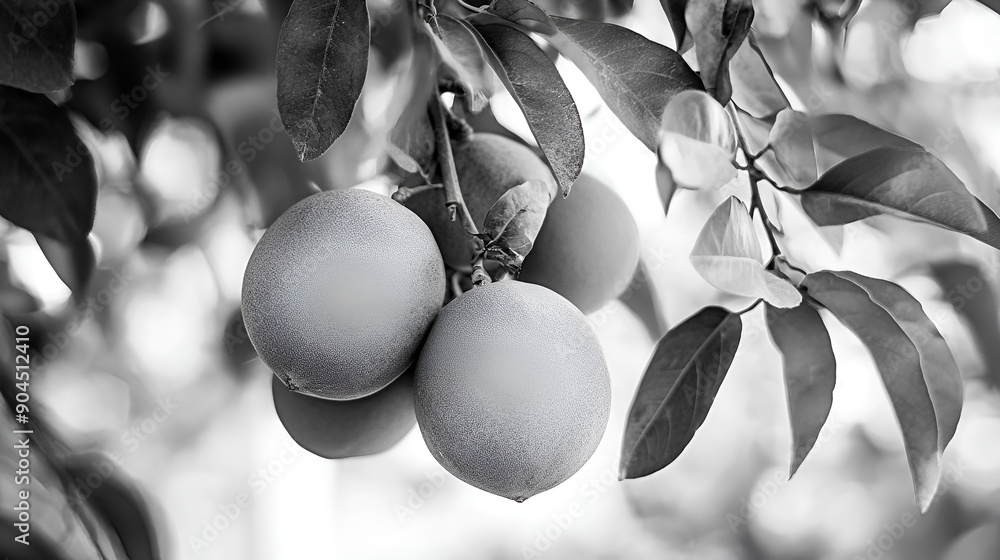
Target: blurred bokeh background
[{"x": 147, "y": 375}]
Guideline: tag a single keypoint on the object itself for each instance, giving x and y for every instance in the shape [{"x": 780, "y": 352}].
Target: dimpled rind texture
[
  {"x": 342, "y": 429},
  {"x": 588, "y": 247},
  {"x": 487, "y": 166},
  {"x": 512, "y": 391},
  {"x": 340, "y": 291}
]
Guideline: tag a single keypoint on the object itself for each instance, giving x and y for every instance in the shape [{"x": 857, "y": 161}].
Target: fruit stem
[
  {"x": 404, "y": 193},
  {"x": 453, "y": 192}
]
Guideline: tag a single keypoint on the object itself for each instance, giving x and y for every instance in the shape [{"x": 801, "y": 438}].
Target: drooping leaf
[
  {"x": 677, "y": 390},
  {"x": 792, "y": 144},
  {"x": 635, "y": 76},
  {"x": 697, "y": 141},
  {"x": 322, "y": 62},
  {"x": 675, "y": 15},
  {"x": 727, "y": 255},
  {"x": 463, "y": 59},
  {"x": 640, "y": 297},
  {"x": 37, "y": 44},
  {"x": 523, "y": 13},
  {"x": 839, "y": 137},
  {"x": 512, "y": 223},
  {"x": 665, "y": 184},
  {"x": 944, "y": 381},
  {"x": 719, "y": 28},
  {"x": 535, "y": 84},
  {"x": 810, "y": 370},
  {"x": 48, "y": 184},
  {"x": 410, "y": 141},
  {"x": 904, "y": 182},
  {"x": 898, "y": 363},
  {"x": 73, "y": 262},
  {"x": 970, "y": 291},
  {"x": 754, "y": 88}
]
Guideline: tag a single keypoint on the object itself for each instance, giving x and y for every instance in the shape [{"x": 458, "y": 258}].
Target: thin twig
[
  {"x": 453, "y": 192},
  {"x": 756, "y": 174}
]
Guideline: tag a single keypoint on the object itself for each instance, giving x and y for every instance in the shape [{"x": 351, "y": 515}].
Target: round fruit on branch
[
  {"x": 342, "y": 429},
  {"x": 488, "y": 165},
  {"x": 512, "y": 390},
  {"x": 588, "y": 247},
  {"x": 340, "y": 291}
]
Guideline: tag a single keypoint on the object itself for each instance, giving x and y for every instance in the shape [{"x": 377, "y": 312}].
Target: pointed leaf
[
  {"x": 322, "y": 61},
  {"x": 719, "y": 28},
  {"x": 37, "y": 44},
  {"x": 512, "y": 223},
  {"x": 47, "y": 180},
  {"x": 463, "y": 58},
  {"x": 810, "y": 370},
  {"x": 972, "y": 294},
  {"x": 640, "y": 297},
  {"x": 898, "y": 363},
  {"x": 839, "y": 137},
  {"x": 792, "y": 144},
  {"x": 944, "y": 381},
  {"x": 904, "y": 182},
  {"x": 727, "y": 255},
  {"x": 635, "y": 76},
  {"x": 697, "y": 141},
  {"x": 665, "y": 184},
  {"x": 535, "y": 84},
  {"x": 754, "y": 88},
  {"x": 523, "y": 13},
  {"x": 678, "y": 389},
  {"x": 675, "y": 15},
  {"x": 72, "y": 262}
]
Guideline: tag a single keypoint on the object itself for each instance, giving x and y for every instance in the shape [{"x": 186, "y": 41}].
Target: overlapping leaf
[
  {"x": 636, "y": 77},
  {"x": 523, "y": 13},
  {"x": 48, "y": 184},
  {"x": 810, "y": 370},
  {"x": 898, "y": 362},
  {"x": 463, "y": 59},
  {"x": 697, "y": 141},
  {"x": 906, "y": 182},
  {"x": 36, "y": 56},
  {"x": 944, "y": 381},
  {"x": 512, "y": 223},
  {"x": 677, "y": 390},
  {"x": 839, "y": 137},
  {"x": 535, "y": 84},
  {"x": 754, "y": 88},
  {"x": 322, "y": 62},
  {"x": 793, "y": 149},
  {"x": 719, "y": 27},
  {"x": 675, "y": 15},
  {"x": 727, "y": 255}
]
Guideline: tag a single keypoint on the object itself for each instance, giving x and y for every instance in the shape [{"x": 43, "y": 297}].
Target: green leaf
[
  {"x": 535, "y": 84},
  {"x": 944, "y": 381},
  {"x": 523, "y": 13},
  {"x": 635, "y": 76},
  {"x": 322, "y": 62},
  {"x": 675, "y": 15},
  {"x": 37, "y": 43},
  {"x": 792, "y": 145},
  {"x": 463, "y": 58},
  {"x": 810, "y": 370},
  {"x": 727, "y": 255},
  {"x": 898, "y": 363},
  {"x": 72, "y": 262},
  {"x": 905, "y": 182},
  {"x": 839, "y": 137},
  {"x": 719, "y": 28},
  {"x": 754, "y": 88},
  {"x": 697, "y": 141},
  {"x": 677, "y": 390},
  {"x": 48, "y": 184},
  {"x": 512, "y": 223}
]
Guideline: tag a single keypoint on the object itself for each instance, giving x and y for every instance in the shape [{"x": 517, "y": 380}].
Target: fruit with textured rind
[
  {"x": 341, "y": 429},
  {"x": 512, "y": 390},
  {"x": 340, "y": 291},
  {"x": 588, "y": 247},
  {"x": 488, "y": 165}
]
